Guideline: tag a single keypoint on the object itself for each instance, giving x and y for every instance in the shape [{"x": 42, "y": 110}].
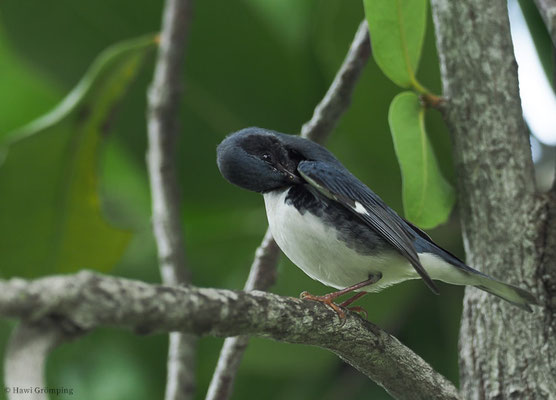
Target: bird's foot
[
  {"x": 359, "y": 310},
  {"x": 327, "y": 299}
]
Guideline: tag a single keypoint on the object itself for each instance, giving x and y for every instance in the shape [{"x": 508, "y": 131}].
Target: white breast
[{"x": 314, "y": 247}]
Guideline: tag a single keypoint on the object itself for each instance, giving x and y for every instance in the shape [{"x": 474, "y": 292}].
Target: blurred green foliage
[
  {"x": 541, "y": 38},
  {"x": 54, "y": 159},
  {"x": 244, "y": 66}
]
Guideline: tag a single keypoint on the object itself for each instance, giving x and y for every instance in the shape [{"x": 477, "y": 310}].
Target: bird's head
[{"x": 259, "y": 160}]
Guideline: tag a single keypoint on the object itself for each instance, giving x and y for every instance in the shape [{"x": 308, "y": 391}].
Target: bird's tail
[
  {"x": 512, "y": 294},
  {"x": 439, "y": 264}
]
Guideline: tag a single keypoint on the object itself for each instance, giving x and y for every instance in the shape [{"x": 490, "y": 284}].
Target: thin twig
[
  {"x": 26, "y": 353},
  {"x": 261, "y": 277},
  {"x": 338, "y": 97},
  {"x": 553, "y": 188},
  {"x": 164, "y": 98},
  {"x": 88, "y": 300},
  {"x": 547, "y": 9},
  {"x": 263, "y": 270}
]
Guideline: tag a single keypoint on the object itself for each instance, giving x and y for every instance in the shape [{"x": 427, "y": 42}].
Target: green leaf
[
  {"x": 397, "y": 29},
  {"x": 427, "y": 197},
  {"x": 24, "y": 94},
  {"x": 50, "y": 211}
]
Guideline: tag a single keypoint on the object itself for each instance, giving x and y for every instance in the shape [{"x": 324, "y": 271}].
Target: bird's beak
[{"x": 291, "y": 177}]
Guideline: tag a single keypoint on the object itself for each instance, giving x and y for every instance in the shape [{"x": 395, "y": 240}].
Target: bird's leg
[
  {"x": 353, "y": 299},
  {"x": 358, "y": 309},
  {"x": 328, "y": 299}
]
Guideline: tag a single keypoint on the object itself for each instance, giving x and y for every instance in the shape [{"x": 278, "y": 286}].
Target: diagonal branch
[
  {"x": 547, "y": 9},
  {"x": 88, "y": 300},
  {"x": 338, "y": 97},
  {"x": 164, "y": 98},
  {"x": 261, "y": 277},
  {"x": 263, "y": 270}
]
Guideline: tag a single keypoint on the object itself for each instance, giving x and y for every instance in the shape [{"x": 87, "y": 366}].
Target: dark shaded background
[{"x": 248, "y": 62}]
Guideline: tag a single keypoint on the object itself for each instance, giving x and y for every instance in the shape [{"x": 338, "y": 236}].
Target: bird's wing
[{"x": 340, "y": 185}]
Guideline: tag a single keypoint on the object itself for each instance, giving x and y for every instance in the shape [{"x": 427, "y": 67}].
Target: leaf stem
[{"x": 428, "y": 99}]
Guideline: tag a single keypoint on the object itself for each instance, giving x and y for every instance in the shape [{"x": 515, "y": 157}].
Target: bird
[{"x": 335, "y": 228}]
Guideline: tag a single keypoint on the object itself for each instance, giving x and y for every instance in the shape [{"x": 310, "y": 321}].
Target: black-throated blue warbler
[{"x": 336, "y": 229}]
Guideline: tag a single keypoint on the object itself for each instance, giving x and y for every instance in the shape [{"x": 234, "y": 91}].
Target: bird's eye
[{"x": 267, "y": 157}]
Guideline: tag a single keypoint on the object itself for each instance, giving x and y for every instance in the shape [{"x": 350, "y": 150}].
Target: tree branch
[
  {"x": 88, "y": 300},
  {"x": 547, "y": 9},
  {"x": 504, "y": 220},
  {"x": 262, "y": 276},
  {"x": 338, "y": 97},
  {"x": 164, "y": 98},
  {"x": 263, "y": 270},
  {"x": 26, "y": 354}
]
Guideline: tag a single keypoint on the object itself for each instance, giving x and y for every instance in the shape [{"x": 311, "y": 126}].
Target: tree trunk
[{"x": 509, "y": 229}]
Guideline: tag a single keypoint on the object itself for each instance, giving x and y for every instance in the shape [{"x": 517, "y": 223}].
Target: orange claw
[
  {"x": 360, "y": 310},
  {"x": 328, "y": 300}
]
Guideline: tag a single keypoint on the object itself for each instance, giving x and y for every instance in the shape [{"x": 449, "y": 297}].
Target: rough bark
[
  {"x": 504, "y": 353},
  {"x": 87, "y": 300},
  {"x": 262, "y": 276},
  {"x": 163, "y": 109},
  {"x": 263, "y": 270}
]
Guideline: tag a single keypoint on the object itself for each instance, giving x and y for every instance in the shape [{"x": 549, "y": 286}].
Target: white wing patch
[{"x": 360, "y": 209}]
